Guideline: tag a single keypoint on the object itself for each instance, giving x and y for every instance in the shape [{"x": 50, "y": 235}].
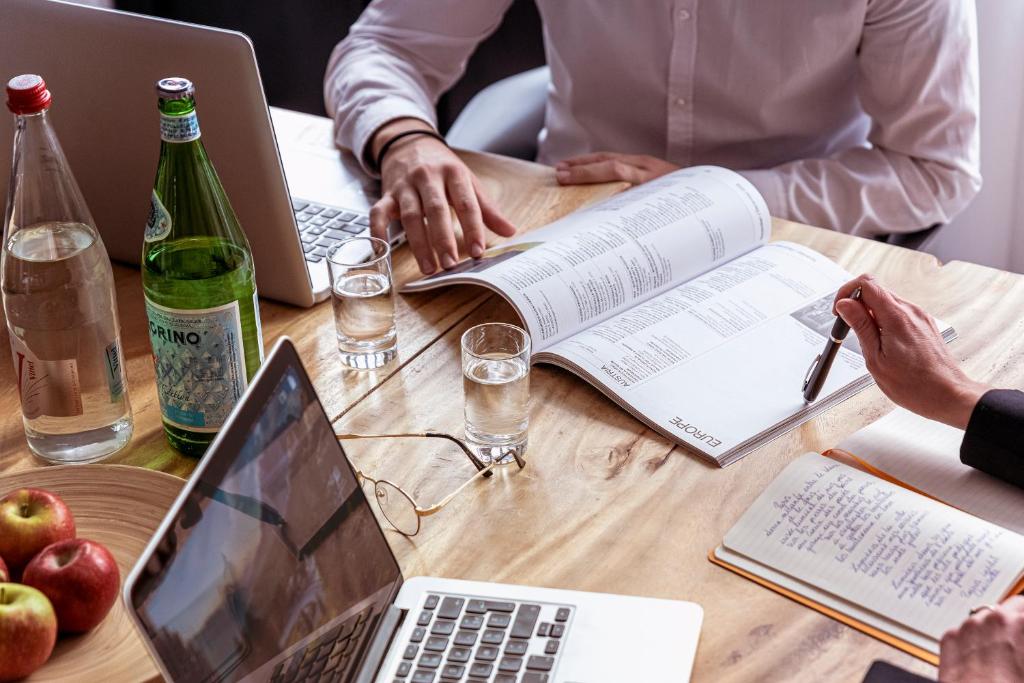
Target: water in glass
[
  {"x": 497, "y": 396},
  {"x": 364, "y": 317}
]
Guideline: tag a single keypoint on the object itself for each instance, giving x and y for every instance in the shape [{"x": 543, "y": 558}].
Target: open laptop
[
  {"x": 270, "y": 566},
  {"x": 102, "y": 66}
]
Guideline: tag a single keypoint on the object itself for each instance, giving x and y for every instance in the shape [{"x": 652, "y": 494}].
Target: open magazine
[
  {"x": 670, "y": 299},
  {"x": 863, "y": 537}
]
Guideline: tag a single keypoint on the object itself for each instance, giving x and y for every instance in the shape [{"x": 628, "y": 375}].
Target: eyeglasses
[{"x": 396, "y": 504}]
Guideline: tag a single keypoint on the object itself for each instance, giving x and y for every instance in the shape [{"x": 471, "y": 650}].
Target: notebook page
[
  {"x": 895, "y": 552},
  {"x": 866, "y": 617},
  {"x": 926, "y": 455}
]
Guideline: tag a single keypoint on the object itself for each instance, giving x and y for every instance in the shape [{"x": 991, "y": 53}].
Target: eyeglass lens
[{"x": 398, "y": 508}]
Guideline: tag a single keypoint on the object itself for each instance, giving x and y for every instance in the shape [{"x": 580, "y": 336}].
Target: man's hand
[
  {"x": 420, "y": 179},
  {"x": 988, "y": 647},
  {"x": 906, "y": 354},
  {"x": 603, "y": 167}
]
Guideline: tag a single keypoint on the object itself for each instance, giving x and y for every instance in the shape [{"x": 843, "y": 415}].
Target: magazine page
[
  {"x": 719, "y": 360},
  {"x": 604, "y": 259}
]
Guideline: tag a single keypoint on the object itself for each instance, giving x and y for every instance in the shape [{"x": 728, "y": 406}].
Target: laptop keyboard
[
  {"x": 327, "y": 657},
  {"x": 474, "y": 640},
  {"x": 322, "y": 226}
]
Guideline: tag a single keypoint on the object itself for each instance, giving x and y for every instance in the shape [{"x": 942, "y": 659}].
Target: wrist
[
  {"x": 963, "y": 397},
  {"x": 391, "y": 129}
]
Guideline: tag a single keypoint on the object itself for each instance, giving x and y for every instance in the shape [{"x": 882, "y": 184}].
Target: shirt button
[
  {"x": 684, "y": 15},
  {"x": 681, "y": 101}
]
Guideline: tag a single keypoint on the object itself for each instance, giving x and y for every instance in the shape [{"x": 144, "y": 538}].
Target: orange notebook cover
[{"x": 853, "y": 622}]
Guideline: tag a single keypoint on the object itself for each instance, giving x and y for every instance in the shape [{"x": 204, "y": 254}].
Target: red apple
[
  {"x": 81, "y": 579},
  {"x": 28, "y": 630},
  {"x": 30, "y": 520},
  {"x": 5, "y": 575}
]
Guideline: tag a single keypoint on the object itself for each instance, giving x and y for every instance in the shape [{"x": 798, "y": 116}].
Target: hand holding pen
[
  {"x": 818, "y": 372},
  {"x": 906, "y": 354}
]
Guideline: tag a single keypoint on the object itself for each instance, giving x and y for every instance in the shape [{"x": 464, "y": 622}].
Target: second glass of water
[
  {"x": 496, "y": 382},
  {"x": 363, "y": 297}
]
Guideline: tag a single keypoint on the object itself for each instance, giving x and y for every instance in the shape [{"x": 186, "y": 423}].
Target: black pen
[{"x": 818, "y": 372}]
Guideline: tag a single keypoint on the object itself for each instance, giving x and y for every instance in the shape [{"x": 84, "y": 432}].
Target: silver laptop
[
  {"x": 102, "y": 65},
  {"x": 270, "y": 566}
]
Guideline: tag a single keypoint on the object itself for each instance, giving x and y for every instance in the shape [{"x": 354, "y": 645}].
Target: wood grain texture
[{"x": 604, "y": 504}]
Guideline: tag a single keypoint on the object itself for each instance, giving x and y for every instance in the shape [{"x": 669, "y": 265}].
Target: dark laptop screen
[{"x": 275, "y": 541}]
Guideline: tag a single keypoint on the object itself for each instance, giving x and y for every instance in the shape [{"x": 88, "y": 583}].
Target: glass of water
[
  {"x": 496, "y": 383},
  {"x": 363, "y": 297}
]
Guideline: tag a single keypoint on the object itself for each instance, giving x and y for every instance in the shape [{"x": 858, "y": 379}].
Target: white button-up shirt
[{"x": 859, "y": 115}]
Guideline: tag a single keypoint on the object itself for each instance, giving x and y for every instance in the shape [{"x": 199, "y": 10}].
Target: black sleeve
[{"x": 994, "y": 442}]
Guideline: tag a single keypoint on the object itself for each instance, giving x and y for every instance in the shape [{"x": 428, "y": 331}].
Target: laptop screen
[{"x": 275, "y": 542}]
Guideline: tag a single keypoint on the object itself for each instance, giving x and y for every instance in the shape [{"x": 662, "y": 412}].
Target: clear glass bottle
[
  {"x": 199, "y": 281},
  {"x": 58, "y": 295}
]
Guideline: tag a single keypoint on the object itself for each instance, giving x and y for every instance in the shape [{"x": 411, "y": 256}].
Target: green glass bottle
[{"x": 199, "y": 282}]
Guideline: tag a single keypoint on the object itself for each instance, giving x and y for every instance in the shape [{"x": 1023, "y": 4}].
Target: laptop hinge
[{"x": 390, "y": 620}]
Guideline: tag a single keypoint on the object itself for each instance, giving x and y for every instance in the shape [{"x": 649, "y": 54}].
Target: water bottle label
[
  {"x": 47, "y": 387},
  {"x": 200, "y": 363},
  {"x": 115, "y": 376},
  {"x": 183, "y": 128},
  {"x": 158, "y": 224}
]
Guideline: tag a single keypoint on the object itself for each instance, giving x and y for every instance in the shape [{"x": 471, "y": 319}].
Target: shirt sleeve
[
  {"x": 994, "y": 441},
  {"x": 918, "y": 81},
  {"x": 398, "y": 59}
]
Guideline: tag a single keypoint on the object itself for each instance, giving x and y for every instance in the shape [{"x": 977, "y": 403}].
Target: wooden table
[{"x": 605, "y": 504}]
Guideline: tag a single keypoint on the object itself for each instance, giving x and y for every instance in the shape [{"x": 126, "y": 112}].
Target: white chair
[
  {"x": 505, "y": 117},
  {"x": 991, "y": 230}
]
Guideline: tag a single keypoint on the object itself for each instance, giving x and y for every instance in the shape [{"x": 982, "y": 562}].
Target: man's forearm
[
  {"x": 917, "y": 80},
  {"x": 866, "y": 192},
  {"x": 397, "y": 60}
]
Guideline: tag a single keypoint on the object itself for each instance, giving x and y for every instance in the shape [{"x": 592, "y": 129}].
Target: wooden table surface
[{"x": 605, "y": 504}]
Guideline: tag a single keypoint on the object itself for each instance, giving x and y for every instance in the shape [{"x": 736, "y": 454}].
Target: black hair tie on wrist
[{"x": 419, "y": 131}]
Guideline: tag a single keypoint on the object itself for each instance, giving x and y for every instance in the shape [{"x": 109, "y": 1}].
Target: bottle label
[
  {"x": 115, "y": 376},
  {"x": 47, "y": 387},
  {"x": 200, "y": 363},
  {"x": 184, "y": 128},
  {"x": 158, "y": 224}
]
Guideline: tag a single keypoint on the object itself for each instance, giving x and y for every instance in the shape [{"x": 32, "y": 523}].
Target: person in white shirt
[{"x": 859, "y": 115}]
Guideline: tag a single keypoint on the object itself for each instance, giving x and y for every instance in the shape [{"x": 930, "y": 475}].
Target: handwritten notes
[
  {"x": 890, "y": 550},
  {"x": 926, "y": 455}
]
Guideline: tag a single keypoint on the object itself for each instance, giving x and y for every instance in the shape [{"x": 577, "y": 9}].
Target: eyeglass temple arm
[
  {"x": 427, "y": 511},
  {"x": 477, "y": 463}
]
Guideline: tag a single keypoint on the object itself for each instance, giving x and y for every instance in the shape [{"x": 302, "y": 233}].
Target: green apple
[
  {"x": 28, "y": 630},
  {"x": 30, "y": 520}
]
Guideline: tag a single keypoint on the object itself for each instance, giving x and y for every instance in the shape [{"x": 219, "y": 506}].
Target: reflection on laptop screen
[{"x": 275, "y": 542}]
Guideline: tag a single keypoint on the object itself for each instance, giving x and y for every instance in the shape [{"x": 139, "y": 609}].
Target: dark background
[{"x": 294, "y": 39}]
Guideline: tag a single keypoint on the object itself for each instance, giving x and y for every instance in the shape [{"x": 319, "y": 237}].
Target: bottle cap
[
  {"x": 175, "y": 88},
  {"x": 27, "y": 94}
]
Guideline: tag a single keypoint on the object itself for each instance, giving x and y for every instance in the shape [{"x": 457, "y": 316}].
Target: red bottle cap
[{"x": 27, "y": 94}]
